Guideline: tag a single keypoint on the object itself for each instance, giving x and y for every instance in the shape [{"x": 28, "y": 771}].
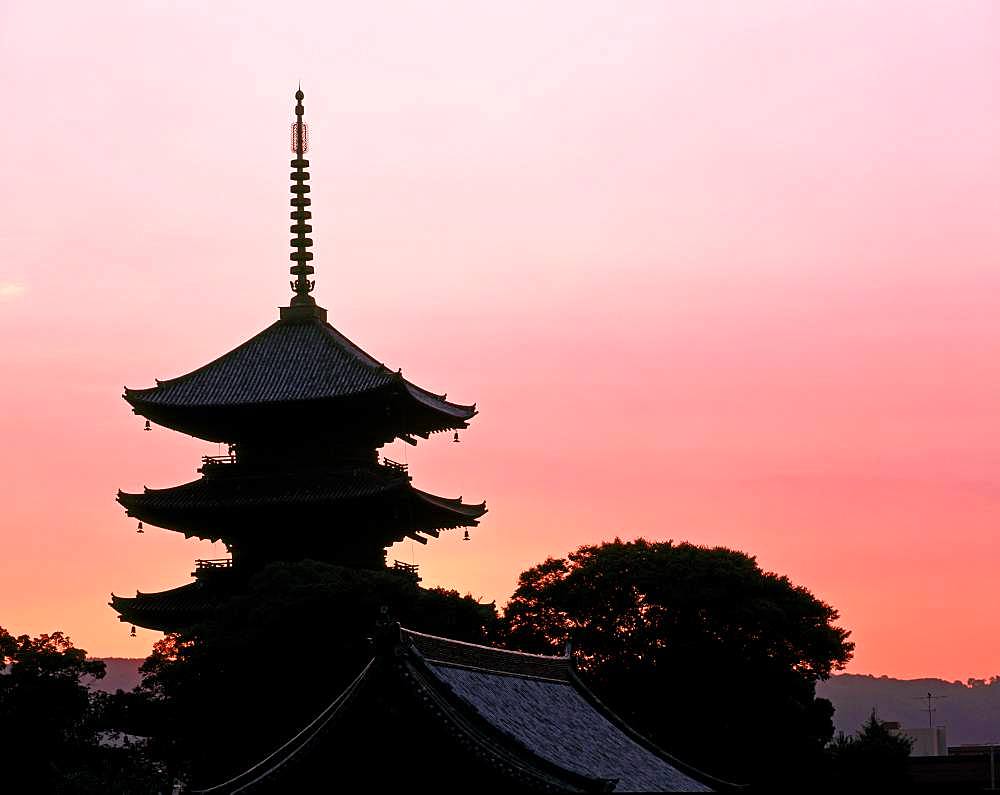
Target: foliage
[
  {"x": 49, "y": 721},
  {"x": 874, "y": 757},
  {"x": 713, "y": 658},
  {"x": 233, "y": 688}
]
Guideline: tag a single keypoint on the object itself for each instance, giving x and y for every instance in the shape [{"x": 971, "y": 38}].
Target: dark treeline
[
  {"x": 714, "y": 659},
  {"x": 56, "y": 735}
]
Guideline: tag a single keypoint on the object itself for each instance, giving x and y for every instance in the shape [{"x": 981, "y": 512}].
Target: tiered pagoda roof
[
  {"x": 227, "y": 504},
  {"x": 300, "y": 359},
  {"x": 480, "y": 718},
  {"x": 167, "y": 611}
]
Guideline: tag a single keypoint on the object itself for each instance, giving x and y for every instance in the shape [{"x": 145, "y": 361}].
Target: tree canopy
[
  {"x": 708, "y": 654},
  {"x": 50, "y": 722},
  {"x": 40, "y": 690},
  {"x": 873, "y": 757}
]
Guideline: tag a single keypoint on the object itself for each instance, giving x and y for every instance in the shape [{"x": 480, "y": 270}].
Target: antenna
[{"x": 930, "y": 698}]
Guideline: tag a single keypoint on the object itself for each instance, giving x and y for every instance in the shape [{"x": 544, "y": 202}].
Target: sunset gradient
[{"x": 725, "y": 273}]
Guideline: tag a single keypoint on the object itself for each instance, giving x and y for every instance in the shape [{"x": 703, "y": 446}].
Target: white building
[{"x": 927, "y": 741}]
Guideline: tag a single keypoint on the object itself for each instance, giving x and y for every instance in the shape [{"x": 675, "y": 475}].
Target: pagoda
[{"x": 303, "y": 411}]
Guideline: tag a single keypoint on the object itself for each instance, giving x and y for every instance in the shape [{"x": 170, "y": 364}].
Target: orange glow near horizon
[{"x": 716, "y": 275}]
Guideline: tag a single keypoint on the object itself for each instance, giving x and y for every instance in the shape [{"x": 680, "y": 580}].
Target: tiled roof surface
[
  {"x": 526, "y": 701},
  {"x": 288, "y": 361}
]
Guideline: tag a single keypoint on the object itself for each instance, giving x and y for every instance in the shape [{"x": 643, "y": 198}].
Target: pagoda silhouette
[{"x": 303, "y": 411}]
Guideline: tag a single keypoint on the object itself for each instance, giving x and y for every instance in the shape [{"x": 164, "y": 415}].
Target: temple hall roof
[{"x": 538, "y": 703}]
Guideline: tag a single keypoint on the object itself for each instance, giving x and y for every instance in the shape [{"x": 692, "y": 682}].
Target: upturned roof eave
[
  {"x": 441, "y": 403},
  {"x": 472, "y": 510}
]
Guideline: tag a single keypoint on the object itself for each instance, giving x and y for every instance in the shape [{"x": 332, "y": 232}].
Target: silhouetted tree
[
  {"x": 49, "y": 724},
  {"x": 233, "y": 688},
  {"x": 712, "y": 657},
  {"x": 875, "y": 757}
]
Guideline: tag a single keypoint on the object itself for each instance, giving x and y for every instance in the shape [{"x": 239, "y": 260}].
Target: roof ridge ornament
[{"x": 303, "y": 305}]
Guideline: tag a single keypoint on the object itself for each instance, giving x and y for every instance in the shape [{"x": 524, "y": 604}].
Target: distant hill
[
  {"x": 970, "y": 711},
  {"x": 122, "y": 674}
]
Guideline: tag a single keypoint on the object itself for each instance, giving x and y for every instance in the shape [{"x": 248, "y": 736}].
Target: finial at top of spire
[
  {"x": 300, "y": 130},
  {"x": 302, "y": 285}
]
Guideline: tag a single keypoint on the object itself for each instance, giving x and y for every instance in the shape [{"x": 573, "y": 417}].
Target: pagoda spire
[{"x": 301, "y": 256}]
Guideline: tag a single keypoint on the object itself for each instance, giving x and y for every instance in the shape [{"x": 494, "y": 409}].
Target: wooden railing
[
  {"x": 212, "y": 565},
  {"x": 406, "y": 569},
  {"x": 217, "y": 460},
  {"x": 396, "y": 466}
]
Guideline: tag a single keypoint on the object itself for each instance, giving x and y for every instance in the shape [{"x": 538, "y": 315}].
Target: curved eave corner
[
  {"x": 136, "y": 508},
  {"x": 121, "y": 605},
  {"x": 458, "y": 414},
  {"x": 143, "y": 406},
  {"x": 468, "y": 510},
  {"x": 136, "y": 397}
]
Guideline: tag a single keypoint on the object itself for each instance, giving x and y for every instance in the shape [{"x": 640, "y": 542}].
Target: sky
[{"x": 716, "y": 272}]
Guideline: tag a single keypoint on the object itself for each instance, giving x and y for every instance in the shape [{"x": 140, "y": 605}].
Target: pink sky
[{"x": 725, "y": 273}]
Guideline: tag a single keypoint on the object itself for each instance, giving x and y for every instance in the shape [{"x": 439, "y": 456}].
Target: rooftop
[
  {"x": 537, "y": 703},
  {"x": 292, "y": 361},
  {"x": 525, "y": 718}
]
